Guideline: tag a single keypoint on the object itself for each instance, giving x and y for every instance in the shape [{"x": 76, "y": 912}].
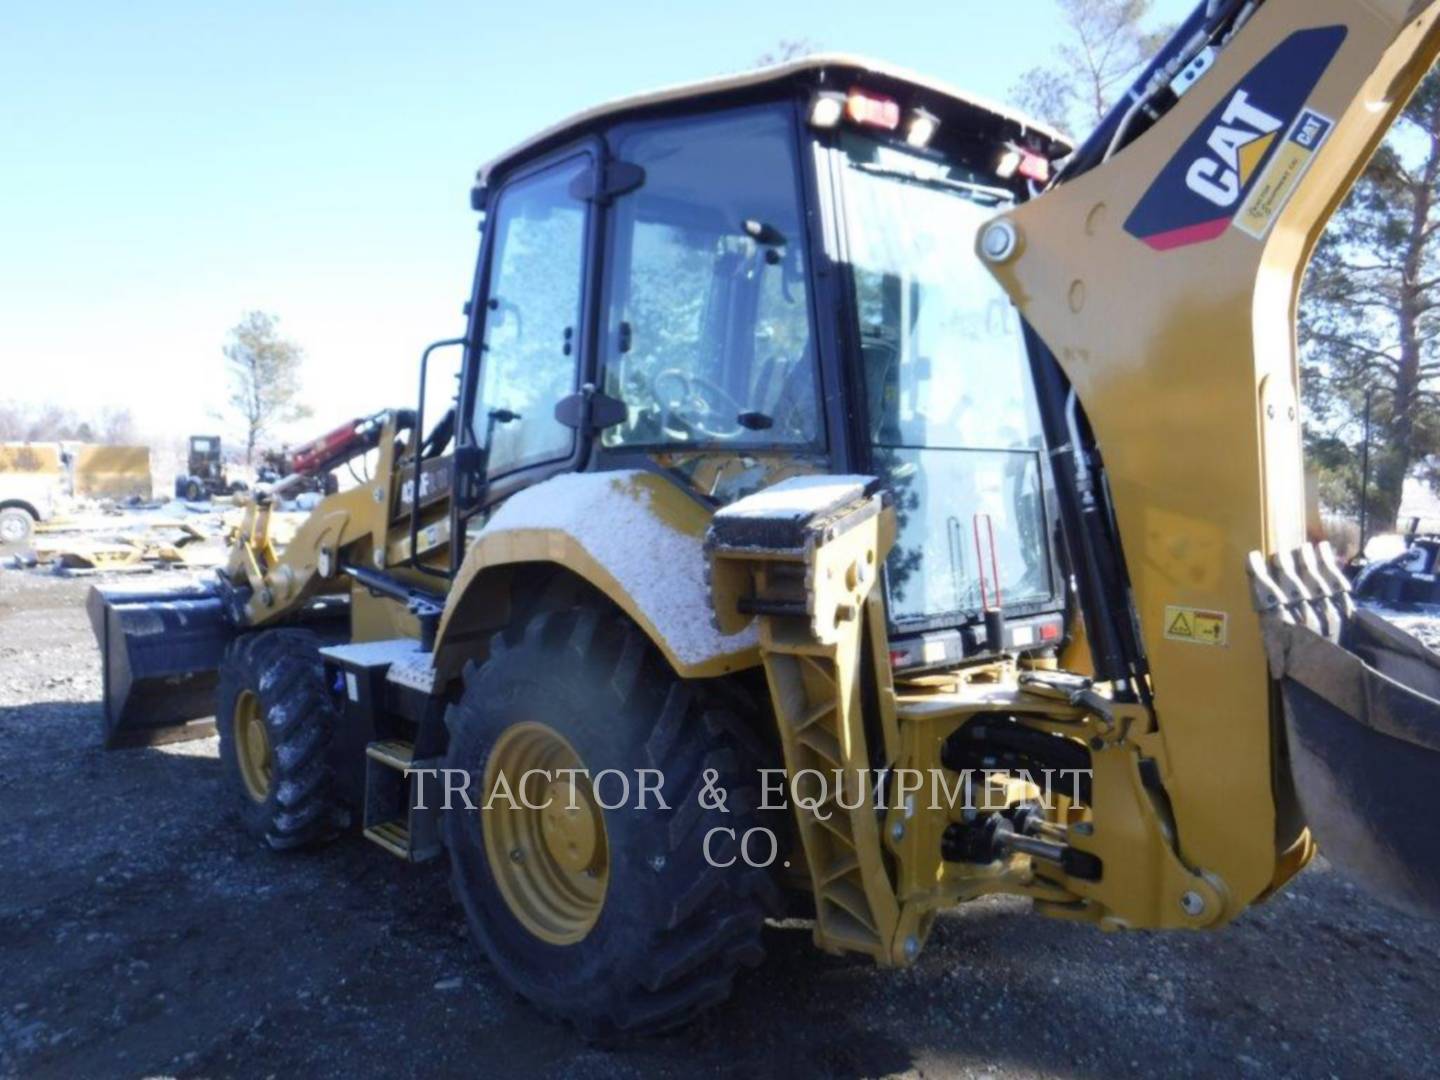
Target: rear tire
[
  {"x": 275, "y": 719},
  {"x": 672, "y": 928},
  {"x": 193, "y": 491},
  {"x": 16, "y": 525}
]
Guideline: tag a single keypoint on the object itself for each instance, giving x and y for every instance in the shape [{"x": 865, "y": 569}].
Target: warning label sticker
[
  {"x": 1196, "y": 626},
  {"x": 1286, "y": 170}
]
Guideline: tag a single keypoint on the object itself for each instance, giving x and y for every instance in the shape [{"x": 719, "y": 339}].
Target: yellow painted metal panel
[
  {"x": 29, "y": 458},
  {"x": 112, "y": 472}
]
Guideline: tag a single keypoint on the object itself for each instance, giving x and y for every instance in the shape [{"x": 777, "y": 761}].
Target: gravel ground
[{"x": 142, "y": 934}]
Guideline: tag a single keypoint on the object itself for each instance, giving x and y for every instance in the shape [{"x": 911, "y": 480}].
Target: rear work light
[
  {"x": 862, "y": 107},
  {"x": 921, "y": 129},
  {"x": 826, "y": 109}
]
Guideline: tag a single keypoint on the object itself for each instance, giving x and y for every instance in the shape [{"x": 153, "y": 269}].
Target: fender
[{"x": 633, "y": 535}]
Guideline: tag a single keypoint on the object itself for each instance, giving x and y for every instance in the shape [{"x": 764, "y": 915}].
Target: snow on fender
[{"x": 634, "y": 536}]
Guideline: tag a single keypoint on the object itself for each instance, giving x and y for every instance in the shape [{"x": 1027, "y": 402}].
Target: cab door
[{"x": 531, "y": 315}]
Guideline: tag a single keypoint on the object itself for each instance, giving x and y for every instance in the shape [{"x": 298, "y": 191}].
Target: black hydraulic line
[
  {"x": 1208, "y": 18},
  {"x": 385, "y": 585},
  {"x": 1091, "y": 537},
  {"x": 426, "y": 606}
]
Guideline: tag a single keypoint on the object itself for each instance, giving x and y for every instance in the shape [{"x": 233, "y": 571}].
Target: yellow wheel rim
[
  {"x": 550, "y": 858},
  {"x": 252, "y": 746}
]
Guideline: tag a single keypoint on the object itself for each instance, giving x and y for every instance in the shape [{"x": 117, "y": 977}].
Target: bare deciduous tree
[
  {"x": 786, "y": 49},
  {"x": 1108, "y": 45},
  {"x": 53, "y": 423},
  {"x": 264, "y": 371}
]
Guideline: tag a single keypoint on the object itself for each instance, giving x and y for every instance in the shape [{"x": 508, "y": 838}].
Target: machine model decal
[
  {"x": 1196, "y": 626},
  {"x": 1284, "y": 174},
  {"x": 1201, "y": 191}
]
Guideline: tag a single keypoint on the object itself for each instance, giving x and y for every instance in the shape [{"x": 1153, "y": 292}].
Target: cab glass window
[
  {"x": 708, "y": 338},
  {"x": 532, "y": 320},
  {"x": 950, "y": 403}
]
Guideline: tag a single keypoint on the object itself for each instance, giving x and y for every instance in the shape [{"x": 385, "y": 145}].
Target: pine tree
[{"x": 1370, "y": 317}]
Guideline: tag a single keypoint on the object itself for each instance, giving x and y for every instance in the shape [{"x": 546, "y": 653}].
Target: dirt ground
[{"x": 142, "y": 934}]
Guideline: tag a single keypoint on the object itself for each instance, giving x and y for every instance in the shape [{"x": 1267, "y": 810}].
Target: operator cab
[{"x": 775, "y": 274}]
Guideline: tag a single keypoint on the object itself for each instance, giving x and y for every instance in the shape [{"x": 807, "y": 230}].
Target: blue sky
[{"x": 165, "y": 167}]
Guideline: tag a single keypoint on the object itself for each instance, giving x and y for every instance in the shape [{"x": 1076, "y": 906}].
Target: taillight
[
  {"x": 1034, "y": 167},
  {"x": 872, "y": 110},
  {"x": 1027, "y": 163}
]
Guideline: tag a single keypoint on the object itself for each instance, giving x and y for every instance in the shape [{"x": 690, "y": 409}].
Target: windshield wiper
[{"x": 977, "y": 192}]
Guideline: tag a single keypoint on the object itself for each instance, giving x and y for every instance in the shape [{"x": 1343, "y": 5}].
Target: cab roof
[{"x": 819, "y": 69}]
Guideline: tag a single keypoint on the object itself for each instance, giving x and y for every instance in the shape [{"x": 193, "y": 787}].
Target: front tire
[
  {"x": 275, "y": 719},
  {"x": 623, "y": 925},
  {"x": 16, "y": 525}
]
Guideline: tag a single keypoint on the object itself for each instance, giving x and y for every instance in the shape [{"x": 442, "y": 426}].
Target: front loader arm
[
  {"x": 351, "y": 527},
  {"x": 1163, "y": 281},
  {"x": 161, "y": 648}
]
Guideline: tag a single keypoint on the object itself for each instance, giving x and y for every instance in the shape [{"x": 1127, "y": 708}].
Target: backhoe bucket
[
  {"x": 159, "y": 651},
  {"x": 1362, "y": 714}
]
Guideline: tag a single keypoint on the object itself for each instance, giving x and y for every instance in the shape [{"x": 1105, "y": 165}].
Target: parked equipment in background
[
  {"x": 827, "y": 420},
  {"x": 32, "y": 477},
  {"x": 311, "y": 466},
  {"x": 1409, "y": 581},
  {"x": 39, "y": 479},
  {"x": 204, "y": 475}
]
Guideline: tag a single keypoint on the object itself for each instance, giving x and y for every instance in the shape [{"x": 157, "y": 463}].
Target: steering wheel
[{"x": 695, "y": 406}]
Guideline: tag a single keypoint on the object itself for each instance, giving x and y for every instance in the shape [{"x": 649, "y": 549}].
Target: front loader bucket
[
  {"x": 1361, "y": 701},
  {"x": 159, "y": 653}
]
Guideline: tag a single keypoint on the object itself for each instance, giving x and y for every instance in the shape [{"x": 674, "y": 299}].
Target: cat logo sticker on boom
[{"x": 1202, "y": 190}]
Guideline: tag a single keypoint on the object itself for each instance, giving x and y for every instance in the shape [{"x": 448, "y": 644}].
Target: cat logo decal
[{"x": 1199, "y": 193}]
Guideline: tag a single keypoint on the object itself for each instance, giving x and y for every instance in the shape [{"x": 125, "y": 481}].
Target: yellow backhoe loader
[{"x": 857, "y": 501}]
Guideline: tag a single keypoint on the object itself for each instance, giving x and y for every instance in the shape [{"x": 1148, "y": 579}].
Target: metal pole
[{"x": 1365, "y": 472}]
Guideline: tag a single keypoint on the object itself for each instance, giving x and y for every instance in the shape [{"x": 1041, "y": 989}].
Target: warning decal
[{"x": 1196, "y": 626}]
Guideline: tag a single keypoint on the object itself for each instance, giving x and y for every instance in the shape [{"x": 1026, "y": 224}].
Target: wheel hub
[
  {"x": 252, "y": 746},
  {"x": 545, "y": 844},
  {"x": 571, "y": 826}
]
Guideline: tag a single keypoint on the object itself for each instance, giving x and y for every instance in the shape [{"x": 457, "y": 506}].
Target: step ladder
[{"x": 392, "y": 819}]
